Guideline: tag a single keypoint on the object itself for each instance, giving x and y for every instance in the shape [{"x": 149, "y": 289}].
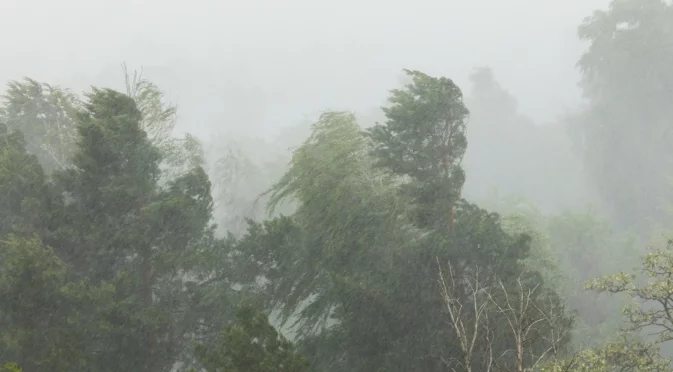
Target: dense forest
[{"x": 348, "y": 245}]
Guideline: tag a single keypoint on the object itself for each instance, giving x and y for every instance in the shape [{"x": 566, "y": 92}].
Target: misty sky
[{"x": 262, "y": 63}]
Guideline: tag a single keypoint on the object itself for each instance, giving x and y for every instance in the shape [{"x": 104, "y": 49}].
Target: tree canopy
[{"x": 127, "y": 247}]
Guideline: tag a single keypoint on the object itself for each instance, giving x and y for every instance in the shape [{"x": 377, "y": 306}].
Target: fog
[
  {"x": 268, "y": 64},
  {"x": 336, "y": 186},
  {"x": 254, "y": 67}
]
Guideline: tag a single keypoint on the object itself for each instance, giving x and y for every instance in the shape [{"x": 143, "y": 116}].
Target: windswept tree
[
  {"x": 41, "y": 327},
  {"x": 158, "y": 120},
  {"x": 45, "y": 114},
  {"x": 424, "y": 139},
  {"x": 119, "y": 226},
  {"x": 354, "y": 269}
]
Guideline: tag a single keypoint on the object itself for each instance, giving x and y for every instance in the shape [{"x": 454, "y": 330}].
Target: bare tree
[
  {"x": 467, "y": 329},
  {"x": 535, "y": 321},
  {"x": 527, "y": 312}
]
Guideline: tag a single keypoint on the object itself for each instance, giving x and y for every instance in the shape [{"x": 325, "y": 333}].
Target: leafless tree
[
  {"x": 467, "y": 329},
  {"x": 527, "y": 312},
  {"x": 535, "y": 322}
]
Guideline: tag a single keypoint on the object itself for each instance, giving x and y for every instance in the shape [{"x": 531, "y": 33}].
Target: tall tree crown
[{"x": 424, "y": 139}]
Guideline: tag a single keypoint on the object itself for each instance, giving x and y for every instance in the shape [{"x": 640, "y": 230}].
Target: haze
[
  {"x": 295, "y": 186},
  {"x": 225, "y": 61}
]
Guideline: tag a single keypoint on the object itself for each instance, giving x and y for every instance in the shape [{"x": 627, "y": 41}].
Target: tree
[
  {"x": 649, "y": 321},
  {"x": 24, "y": 193},
  {"x": 652, "y": 300},
  {"x": 618, "y": 355},
  {"x": 624, "y": 133},
  {"x": 128, "y": 220},
  {"x": 424, "y": 139},
  {"x": 354, "y": 270},
  {"x": 114, "y": 175},
  {"x": 179, "y": 155},
  {"x": 568, "y": 249},
  {"x": 119, "y": 226},
  {"x": 587, "y": 247},
  {"x": 251, "y": 345},
  {"x": 337, "y": 190},
  {"x": 39, "y": 314},
  {"x": 520, "y": 216},
  {"x": 45, "y": 114},
  {"x": 537, "y": 322},
  {"x": 43, "y": 327}
]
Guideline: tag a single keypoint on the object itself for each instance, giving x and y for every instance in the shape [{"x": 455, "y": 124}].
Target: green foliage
[
  {"x": 588, "y": 247},
  {"x": 113, "y": 176},
  {"x": 11, "y": 367},
  {"x": 39, "y": 312},
  {"x": 251, "y": 345},
  {"x": 179, "y": 155},
  {"x": 158, "y": 118},
  {"x": 568, "y": 249},
  {"x": 24, "y": 197},
  {"x": 647, "y": 317},
  {"x": 519, "y": 216},
  {"x": 111, "y": 262},
  {"x": 652, "y": 299},
  {"x": 135, "y": 269},
  {"x": 424, "y": 138},
  {"x": 118, "y": 226},
  {"x": 331, "y": 177},
  {"x": 46, "y": 116},
  {"x": 355, "y": 271},
  {"x": 620, "y": 355}
]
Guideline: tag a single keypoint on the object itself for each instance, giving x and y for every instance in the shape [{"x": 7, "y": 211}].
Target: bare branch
[
  {"x": 535, "y": 321},
  {"x": 468, "y": 336}
]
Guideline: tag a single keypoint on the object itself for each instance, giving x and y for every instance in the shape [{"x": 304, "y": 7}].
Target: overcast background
[{"x": 256, "y": 65}]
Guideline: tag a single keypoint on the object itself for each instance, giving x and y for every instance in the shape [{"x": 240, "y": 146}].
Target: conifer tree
[
  {"x": 120, "y": 226},
  {"x": 423, "y": 139}
]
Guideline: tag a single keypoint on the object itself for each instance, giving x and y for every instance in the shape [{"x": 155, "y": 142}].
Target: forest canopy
[{"x": 366, "y": 247}]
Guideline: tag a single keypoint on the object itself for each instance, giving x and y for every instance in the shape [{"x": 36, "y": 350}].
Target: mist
[
  {"x": 183, "y": 180},
  {"x": 284, "y": 62}
]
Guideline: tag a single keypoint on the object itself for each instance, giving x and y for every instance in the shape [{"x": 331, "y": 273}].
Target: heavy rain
[{"x": 295, "y": 186}]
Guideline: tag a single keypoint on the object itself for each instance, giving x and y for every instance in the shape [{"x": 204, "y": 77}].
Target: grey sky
[{"x": 263, "y": 62}]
